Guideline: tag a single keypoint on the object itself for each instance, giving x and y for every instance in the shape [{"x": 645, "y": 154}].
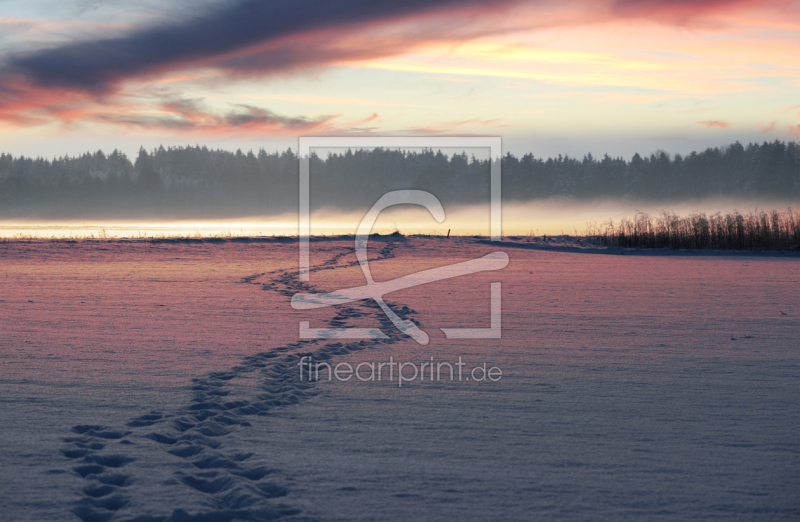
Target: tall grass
[{"x": 757, "y": 230}]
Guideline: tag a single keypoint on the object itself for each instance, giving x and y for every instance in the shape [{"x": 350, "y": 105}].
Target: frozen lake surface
[{"x": 159, "y": 381}]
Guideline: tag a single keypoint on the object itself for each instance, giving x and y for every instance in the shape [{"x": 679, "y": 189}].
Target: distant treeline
[
  {"x": 196, "y": 182},
  {"x": 754, "y": 231}
]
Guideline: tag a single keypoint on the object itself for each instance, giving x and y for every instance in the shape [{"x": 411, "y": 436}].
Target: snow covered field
[{"x": 159, "y": 381}]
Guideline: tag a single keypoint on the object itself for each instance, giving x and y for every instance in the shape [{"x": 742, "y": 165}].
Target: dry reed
[{"x": 757, "y": 230}]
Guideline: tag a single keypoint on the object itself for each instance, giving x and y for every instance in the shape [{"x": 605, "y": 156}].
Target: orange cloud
[
  {"x": 714, "y": 123},
  {"x": 374, "y": 116},
  {"x": 765, "y": 128}
]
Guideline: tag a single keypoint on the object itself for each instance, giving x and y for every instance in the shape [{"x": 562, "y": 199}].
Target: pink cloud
[
  {"x": 189, "y": 116},
  {"x": 714, "y": 123},
  {"x": 765, "y": 128},
  {"x": 683, "y": 12}
]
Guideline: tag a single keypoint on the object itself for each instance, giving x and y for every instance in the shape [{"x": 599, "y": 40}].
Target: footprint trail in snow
[{"x": 203, "y": 478}]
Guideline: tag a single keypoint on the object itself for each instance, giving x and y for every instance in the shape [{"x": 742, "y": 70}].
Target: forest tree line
[{"x": 197, "y": 182}]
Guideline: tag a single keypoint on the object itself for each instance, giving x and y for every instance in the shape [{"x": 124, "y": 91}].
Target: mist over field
[{"x": 551, "y": 216}]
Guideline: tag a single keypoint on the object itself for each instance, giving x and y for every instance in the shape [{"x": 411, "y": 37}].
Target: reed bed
[{"x": 758, "y": 230}]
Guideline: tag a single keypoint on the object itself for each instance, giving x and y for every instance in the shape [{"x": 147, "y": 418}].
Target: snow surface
[{"x": 150, "y": 381}]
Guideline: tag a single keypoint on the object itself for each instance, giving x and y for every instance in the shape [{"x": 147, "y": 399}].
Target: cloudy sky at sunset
[{"x": 549, "y": 77}]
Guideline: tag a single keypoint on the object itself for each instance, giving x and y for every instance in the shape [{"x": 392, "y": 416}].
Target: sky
[{"x": 568, "y": 77}]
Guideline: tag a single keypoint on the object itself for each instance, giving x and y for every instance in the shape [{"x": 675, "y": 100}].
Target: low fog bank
[
  {"x": 559, "y": 216},
  {"x": 552, "y": 216}
]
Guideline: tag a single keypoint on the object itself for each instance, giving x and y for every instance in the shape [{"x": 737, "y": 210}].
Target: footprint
[
  {"x": 111, "y": 461},
  {"x": 186, "y": 451},
  {"x": 99, "y": 491},
  {"x": 215, "y": 462},
  {"x": 163, "y": 439},
  {"x": 215, "y": 485},
  {"x": 113, "y": 479},
  {"x": 74, "y": 453},
  {"x": 91, "y": 469}
]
